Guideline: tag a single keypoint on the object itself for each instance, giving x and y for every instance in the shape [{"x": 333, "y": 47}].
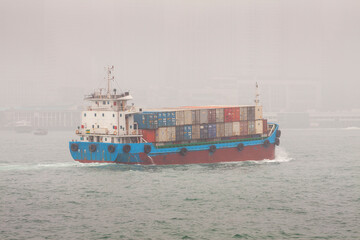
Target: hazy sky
[{"x": 172, "y": 53}]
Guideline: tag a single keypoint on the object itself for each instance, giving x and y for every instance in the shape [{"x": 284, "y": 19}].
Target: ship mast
[
  {"x": 257, "y": 95},
  {"x": 110, "y": 77}
]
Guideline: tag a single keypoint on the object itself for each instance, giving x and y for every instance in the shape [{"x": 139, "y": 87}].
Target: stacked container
[
  {"x": 204, "y": 131},
  {"x": 201, "y": 123}
]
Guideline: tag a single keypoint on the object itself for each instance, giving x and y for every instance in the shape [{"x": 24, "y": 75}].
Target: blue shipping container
[
  {"x": 212, "y": 130},
  {"x": 187, "y": 132},
  {"x": 170, "y": 119},
  {"x": 146, "y": 120}
]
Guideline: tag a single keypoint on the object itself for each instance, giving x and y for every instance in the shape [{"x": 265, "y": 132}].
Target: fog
[{"x": 305, "y": 55}]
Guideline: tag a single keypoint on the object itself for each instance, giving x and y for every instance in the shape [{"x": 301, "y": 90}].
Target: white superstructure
[{"x": 109, "y": 118}]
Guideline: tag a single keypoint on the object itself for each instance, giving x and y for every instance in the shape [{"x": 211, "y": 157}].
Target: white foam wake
[
  {"x": 281, "y": 156},
  {"x": 25, "y": 167}
]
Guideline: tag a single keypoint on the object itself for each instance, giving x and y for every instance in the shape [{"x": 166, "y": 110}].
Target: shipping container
[
  {"x": 251, "y": 113},
  {"x": 204, "y": 116},
  {"x": 220, "y": 130},
  {"x": 171, "y": 119},
  {"x": 179, "y": 133},
  {"x": 236, "y": 128},
  {"x": 251, "y": 128},
  {"x": 188, "y": 117},
  {"x": 146, "y": 120},
  {"x": 161, "y": 119},
  {"x": 212, "y": 116},
  {"x": 195, "y": 117},
  {"x": 195, "y": 131},
  {"x": 187, "y": 132},
  {"x": 219, "y": 115},
  {"x": 258, "y": 126},
  {"x": 243, "y": 114},
  {"x": 244, "y": 128},
  {"x": 228, "y": 129},
  {"x": 236, "y": 114},
  {"x": 149, "y": 135},
  {"x": 232, "y": 114},
  {"x": 212, "y": 130},
  {"x": 180, "y": 118},
  {"x": 166, "y": 134},
  {"x": 265, "y": 126},
  {"x": 228, "y": 115},
  {"x": 166, "y": 119},
  {"x": 258, "y": 112},
  {"x": 204, "y": 131}
]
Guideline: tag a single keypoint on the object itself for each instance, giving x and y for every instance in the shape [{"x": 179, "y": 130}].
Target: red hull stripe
[{"x": 257, "y": 152}]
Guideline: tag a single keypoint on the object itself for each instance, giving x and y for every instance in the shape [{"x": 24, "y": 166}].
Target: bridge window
[
  {"x": 108, "y": 102},
  {"x": 103, "y": 115},
  {"x": 93, "y": 126},
  {"x": 84, "y": 114},
  {"x": 113, "y": 115},
  {"x": 120, "y": 115},
  {"x": 104, "y": 102},
  {"x": 98, "y": 126}
]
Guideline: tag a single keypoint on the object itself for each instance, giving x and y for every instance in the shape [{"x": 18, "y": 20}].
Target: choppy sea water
[{"x": 310, "y": 191}]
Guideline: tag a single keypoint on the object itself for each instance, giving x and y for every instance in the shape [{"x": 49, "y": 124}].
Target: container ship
[{"x": 113, "y": 131}]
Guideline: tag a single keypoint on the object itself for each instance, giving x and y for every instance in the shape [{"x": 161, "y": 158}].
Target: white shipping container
[
  {"x": 203, "y": 116},
  {"x": 229, "y": 129},
  {"x": 219, "y": 115},
  {"x": 180, "y": 118},
  {"x": 188, "y": 117},
  {"x": 165, "y": 134},
  {"x": 236, "y": 128},
  {"x": 258, "y": 126},
  {"x": 258, "y": 112}
]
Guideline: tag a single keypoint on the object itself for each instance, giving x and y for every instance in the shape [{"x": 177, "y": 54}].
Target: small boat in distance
[
  {"x": 40, "y": 131},
  {"x": 23, "y": 126}
]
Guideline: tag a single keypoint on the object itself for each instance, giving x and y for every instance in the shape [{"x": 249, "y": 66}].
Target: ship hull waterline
[
  {"x": 253, "y": 150},
  {"x": 250, "y": 153}
]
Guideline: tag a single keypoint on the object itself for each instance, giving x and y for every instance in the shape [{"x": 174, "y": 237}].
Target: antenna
[
  {"x": 110, "y": 77},
  {"x": 257, "y": 95}
]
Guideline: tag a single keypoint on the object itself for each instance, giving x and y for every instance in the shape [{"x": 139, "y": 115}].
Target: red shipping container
[
  {"x": 265, "y": 126},
  {"x": 228, "y": 114},
  {"x": 236, "y": 114},
  {"x": 232, "y": 114},
  {"x": 149, "y": 135}
]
